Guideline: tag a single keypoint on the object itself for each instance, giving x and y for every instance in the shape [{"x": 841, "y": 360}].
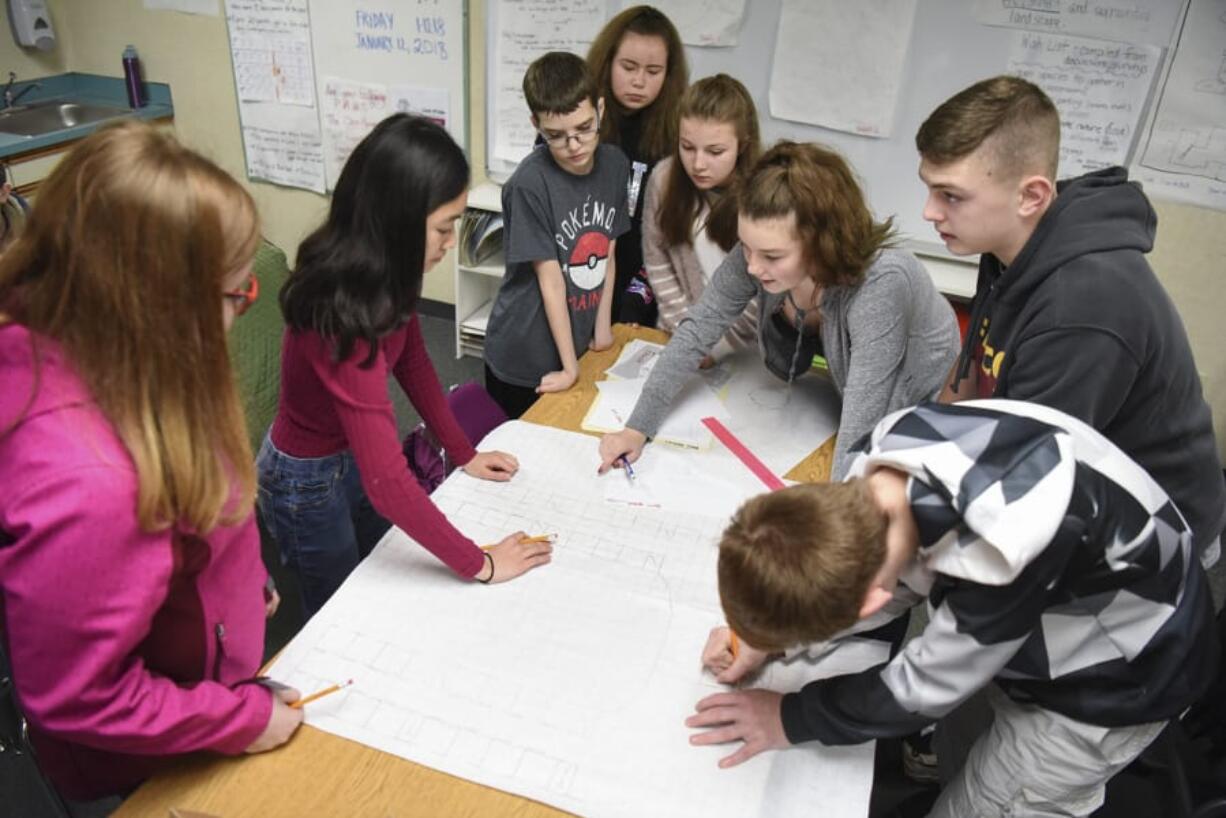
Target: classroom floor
[{"x": 1134, "y": 793}]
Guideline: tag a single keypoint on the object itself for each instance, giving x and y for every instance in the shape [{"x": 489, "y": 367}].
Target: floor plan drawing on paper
[{"x": 571, "y": 684}]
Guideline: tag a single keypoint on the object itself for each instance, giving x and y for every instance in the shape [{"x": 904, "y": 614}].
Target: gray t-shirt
[{"x": 549, "y": 214}]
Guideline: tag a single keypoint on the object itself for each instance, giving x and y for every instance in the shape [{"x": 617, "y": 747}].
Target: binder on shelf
[{"x": 480, "y": 237}]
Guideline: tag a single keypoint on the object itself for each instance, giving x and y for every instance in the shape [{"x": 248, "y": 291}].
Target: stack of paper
[{"x": 617, "y": 397}]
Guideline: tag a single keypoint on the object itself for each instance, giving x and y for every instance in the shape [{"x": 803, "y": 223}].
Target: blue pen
[{"x": 626, "y": 465}]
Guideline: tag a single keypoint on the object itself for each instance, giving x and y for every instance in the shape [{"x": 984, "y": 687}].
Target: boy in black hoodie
[{"x": 1067, "y": 311}]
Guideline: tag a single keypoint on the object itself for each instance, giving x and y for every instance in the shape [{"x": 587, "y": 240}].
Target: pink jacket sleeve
[
  {"x": 81, "y": 592},
  {"x": 365, "y": 412}
]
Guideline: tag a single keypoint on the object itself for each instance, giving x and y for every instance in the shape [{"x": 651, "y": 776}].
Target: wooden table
[{"x": 319, "y": 774}]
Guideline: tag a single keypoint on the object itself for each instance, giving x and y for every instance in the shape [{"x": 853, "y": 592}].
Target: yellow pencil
[
  {"x": 735, "y": 643},
  {"x": 319, "y": 694},
  {"x": 537, "y": 538}
]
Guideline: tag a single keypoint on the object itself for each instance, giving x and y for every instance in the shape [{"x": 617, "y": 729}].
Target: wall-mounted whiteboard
[
  {"x": 314, "y": 76},
  {"x": 953, "y": 43},
  {"x": 376, "y": 57}
]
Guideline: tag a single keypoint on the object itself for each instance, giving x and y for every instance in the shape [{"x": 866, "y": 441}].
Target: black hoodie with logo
[{"x": 1079, "y": 322}]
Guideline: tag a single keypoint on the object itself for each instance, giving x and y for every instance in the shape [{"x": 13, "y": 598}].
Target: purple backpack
[{"x": 477, "y": 414}]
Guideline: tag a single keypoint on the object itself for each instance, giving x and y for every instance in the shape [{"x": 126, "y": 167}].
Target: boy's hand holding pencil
[{"x": 729, "y": 658}]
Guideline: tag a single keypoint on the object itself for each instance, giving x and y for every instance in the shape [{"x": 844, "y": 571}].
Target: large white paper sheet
[
  {"x": 1098, "y": 87},
  {"x": 782, "y": 425},
  {"x": 1135, "y": 21},
  {"x": 824, "y": 74},
  {"x": 569, "y": 685},
  {"x": 1185, "y": 158},
  {"x": 270, "y": 45},
  {"x": 203, "y": 7},
  {"x": 682, "y": 426},
  {"x": 705, "y": 22},
  {"x": 349, "y": 111},
  {"x": 527, "y": 29}
]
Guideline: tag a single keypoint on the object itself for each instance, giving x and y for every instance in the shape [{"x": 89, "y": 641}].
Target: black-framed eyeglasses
[{"x": 581, "y": 135}]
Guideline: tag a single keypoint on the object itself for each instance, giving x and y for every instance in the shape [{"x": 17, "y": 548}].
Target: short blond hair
[
  {"x": 795, "y": 564},
  {"x": 1013, "y": 116}
]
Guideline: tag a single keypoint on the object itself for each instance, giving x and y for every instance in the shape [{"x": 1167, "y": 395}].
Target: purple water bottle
[{"x": 131, "y": 78}]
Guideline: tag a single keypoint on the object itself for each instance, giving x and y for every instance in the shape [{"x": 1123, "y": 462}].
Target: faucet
[{"x": 10, "y": 99}]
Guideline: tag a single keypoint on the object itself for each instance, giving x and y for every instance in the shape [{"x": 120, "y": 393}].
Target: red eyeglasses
[{"x": 244, "y": 298}]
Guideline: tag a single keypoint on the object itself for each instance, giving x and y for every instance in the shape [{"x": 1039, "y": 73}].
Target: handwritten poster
[
  {"x": 823, "y": 75},
  {"x": 1185, "y": 158},
  {"x": 1098, "y": 86},
  {"x": 274, "y": 78},
  {"x": 375, "y": 58},
  {"x": 705, "y": 22},
  {"x": 527, "y": 29},
  {"x": 348, "y": 110},
  {"x": 1135, "y": 21}
]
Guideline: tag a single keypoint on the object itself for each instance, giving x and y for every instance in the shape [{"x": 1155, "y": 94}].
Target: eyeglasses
[
  {"x": 583, "y": 135},
  {"x": 245, "y": 297}
]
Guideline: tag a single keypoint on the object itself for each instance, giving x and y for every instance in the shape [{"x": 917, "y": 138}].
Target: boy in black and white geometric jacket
[{"x": 1058, "y": 575}]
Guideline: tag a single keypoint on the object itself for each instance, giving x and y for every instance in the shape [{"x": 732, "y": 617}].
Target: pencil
[
  {"x": 536, "y": 538},
  {"x": 734, "y": 642},
  {"x": 319, "y": 694}
]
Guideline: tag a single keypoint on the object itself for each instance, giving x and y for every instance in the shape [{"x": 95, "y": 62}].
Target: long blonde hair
[{"x": 123, "y": 262}]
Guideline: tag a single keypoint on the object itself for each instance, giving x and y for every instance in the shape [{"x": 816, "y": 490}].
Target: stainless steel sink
[{"x": 45, "y": 117}]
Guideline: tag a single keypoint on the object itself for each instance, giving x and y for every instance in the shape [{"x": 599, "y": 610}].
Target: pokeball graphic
[{"x": 587, "y": 260}]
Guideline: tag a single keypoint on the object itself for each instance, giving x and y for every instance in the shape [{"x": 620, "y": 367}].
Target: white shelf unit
[{"x": 476, "y": 285}]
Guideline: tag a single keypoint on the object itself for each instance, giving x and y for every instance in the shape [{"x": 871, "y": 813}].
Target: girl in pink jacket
[{"x": 131, "y": 587}]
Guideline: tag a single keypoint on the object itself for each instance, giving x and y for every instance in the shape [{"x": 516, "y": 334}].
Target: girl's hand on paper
[
  {"x": 513, "y": 556},
  {"x": 558, "y": 381},
  {"x": 281, "y": 724},
  {"x": 628, "y": 443},
  {"x": 497, "y": 466},
  {"x": 718, "y": 658},
  {"x": 751, "y": 716}
]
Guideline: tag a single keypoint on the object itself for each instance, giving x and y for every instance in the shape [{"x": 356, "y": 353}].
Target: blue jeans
[{"x": 318, "y": 514}]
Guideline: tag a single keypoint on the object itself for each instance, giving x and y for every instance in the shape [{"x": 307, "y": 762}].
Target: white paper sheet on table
[
  {"x": 781, "y": 425},
  {"x": 615, "y": 402},
  {"x": 636, "y": 360},
  {"x": 824, "y": 74},
  {"x": 569, "y": 685}
]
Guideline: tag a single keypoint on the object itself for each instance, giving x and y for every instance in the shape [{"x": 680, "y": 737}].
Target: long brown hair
[
  {"x": 659, "y": 135},
  {"x": 833, "y": 220},
  {"x": 713, "y": 99},
  {"x": 123, "y": 262}
]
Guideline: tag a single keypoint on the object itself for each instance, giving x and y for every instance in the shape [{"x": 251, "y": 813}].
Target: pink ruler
[{"x": 743, "y": 454}]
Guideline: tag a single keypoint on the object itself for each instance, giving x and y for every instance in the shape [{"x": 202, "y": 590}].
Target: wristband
[{"x": 486, "y": 581}]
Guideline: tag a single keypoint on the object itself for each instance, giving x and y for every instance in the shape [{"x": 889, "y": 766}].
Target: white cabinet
[{"x": 476, "y": 284}]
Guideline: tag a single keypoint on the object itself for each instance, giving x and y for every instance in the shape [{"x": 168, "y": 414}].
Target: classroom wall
[
  {"x": 191, "y": 53},
  {"x": 1189, "y": 256}
]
